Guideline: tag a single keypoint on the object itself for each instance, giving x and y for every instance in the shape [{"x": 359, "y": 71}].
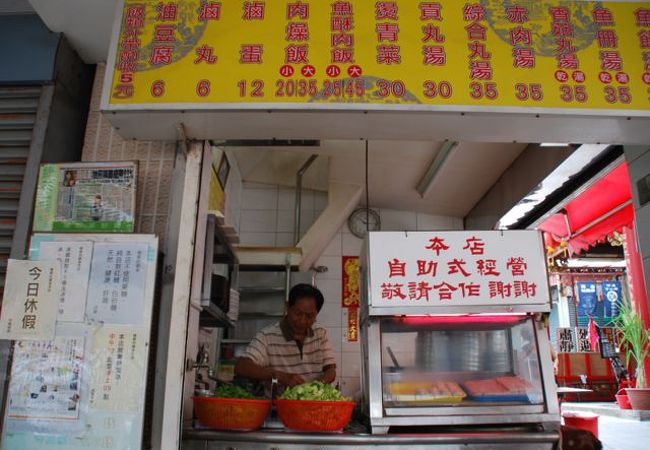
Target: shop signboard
[
  {"x": 434, "y": 270},
  {"x": 444, "y": 55},
  {"x": 86, "y": 197}
]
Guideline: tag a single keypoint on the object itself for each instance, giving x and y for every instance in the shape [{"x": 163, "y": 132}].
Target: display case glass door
[{"x": 460, "y": 361}]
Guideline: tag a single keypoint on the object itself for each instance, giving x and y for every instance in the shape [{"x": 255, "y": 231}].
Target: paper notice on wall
[
  {"x": 74, "y": 258},
  {"x": 117, "y": 282},
  {"x": 118, "y": 365},
  {"x": 46, "y": 379},
  {"x": 29, "y": 306}
]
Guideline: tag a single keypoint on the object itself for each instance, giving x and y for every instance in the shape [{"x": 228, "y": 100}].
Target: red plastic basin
[{"x": 584, "y": 421}]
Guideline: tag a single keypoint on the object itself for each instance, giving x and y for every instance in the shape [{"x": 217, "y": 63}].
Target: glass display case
[
  {"x": 473, "y": 369},
  {"x": 459, "y": 361}
]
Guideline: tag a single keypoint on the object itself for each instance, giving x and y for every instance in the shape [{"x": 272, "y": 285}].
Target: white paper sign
[
  {"x": 46, "y": 379},
  {"x": 118, "y": 366},
  {"x": 438, "y": 269},
  {"x": 29, "y": 306},
  {"x": 74, "y": 258},
  {"x": 117, "y": 283}
]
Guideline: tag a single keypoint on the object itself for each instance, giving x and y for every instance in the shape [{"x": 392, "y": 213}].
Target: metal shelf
[{"x": 212, "y": 316}]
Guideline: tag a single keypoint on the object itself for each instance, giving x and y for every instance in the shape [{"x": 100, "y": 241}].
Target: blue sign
[
  {"x": 587, "y": 298},
  {"x": 612, "y": 294}
]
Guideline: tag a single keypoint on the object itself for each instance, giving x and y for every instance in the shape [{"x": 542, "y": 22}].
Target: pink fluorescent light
[{"x": 463, "y": 319}]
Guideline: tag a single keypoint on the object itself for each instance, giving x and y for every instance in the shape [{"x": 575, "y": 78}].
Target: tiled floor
[{"x": 623, "y": 434}]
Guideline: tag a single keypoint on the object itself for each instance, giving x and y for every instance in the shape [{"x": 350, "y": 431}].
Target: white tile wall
[
  {"x": 351, "y": 387},
  {"x": 351, "y": 243},
  {"x": 333, "y": 264},
  {"x": 320, "y": 200},
  {"x": 393, "y": 220},
  {"x": 284, "y": 239},
  {"x": 351, "y": 365},
  {"x": 286, "y": 220},
  {"x": 256, "y": 220},
  {"x": 335, "y": 246},
  {"x": 330, "y": 315},
  {"x": 265, "y": 199},
  {"x": 269, "y": 208},
  {"x": 430, "y": 222}
]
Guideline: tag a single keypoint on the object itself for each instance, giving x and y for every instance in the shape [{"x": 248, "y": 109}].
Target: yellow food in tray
[{"x": 426, "y": 392}]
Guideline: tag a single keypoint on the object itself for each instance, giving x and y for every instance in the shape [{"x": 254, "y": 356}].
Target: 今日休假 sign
[{"x": 29, "y": 306}]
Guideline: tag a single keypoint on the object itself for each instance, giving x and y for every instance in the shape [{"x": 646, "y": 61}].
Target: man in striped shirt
[{"x": 295, "y": 350}]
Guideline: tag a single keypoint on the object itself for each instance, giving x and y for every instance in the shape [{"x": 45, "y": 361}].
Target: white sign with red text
[{"x": 457, "y": 268}]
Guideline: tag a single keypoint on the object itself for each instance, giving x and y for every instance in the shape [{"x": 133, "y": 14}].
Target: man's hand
[
  {"x": 329, "y": 374},
  {"x": 289, "y": 379}
]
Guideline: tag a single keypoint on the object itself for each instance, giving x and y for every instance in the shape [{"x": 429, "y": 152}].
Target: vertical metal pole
[{"x": 299, "y": 175}]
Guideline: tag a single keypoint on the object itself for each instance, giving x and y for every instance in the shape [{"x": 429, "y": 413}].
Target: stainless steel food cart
[{"x": 452, "y": 332}]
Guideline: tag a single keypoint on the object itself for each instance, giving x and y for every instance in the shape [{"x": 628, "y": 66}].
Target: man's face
[{"x": 302, "y": 315}]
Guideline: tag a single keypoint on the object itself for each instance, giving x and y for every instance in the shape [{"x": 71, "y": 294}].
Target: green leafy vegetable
[
  {"x": 314, "y": 391},
  {"x": 229, "y": 390}
]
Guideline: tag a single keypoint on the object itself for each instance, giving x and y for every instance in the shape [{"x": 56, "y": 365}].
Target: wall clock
[{"x": 363, "y": 219}]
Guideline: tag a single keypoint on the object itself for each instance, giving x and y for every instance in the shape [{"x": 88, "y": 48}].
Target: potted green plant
[{"x": 635, "y": 342}]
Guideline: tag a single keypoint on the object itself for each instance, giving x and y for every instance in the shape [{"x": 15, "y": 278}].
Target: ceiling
[{"x": 394, "y": 168}]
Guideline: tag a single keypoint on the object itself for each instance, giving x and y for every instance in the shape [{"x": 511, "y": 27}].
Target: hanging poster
[
  {"x": 566, "y": 340},
  {"x": 118, "y": 365},
  {"x": 117, "y": 278},
  {"x": 612, "y": 294},
  {"x": 587, "y": 298},
  {"x": 74, "y": 258},
  {"x": 353, "y": 325},
  {"x": 29, "y": 305},
  {"x": 46, "y": 379},
  {"x": 92, "y": 197},
  {"x": 350, "y": 294}
]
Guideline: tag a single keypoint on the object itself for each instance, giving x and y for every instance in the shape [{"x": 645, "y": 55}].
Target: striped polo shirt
[{"x": 274, "y": 347}]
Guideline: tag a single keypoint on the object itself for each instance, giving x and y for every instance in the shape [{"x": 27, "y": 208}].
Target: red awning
[{"x": 596, "y": 213}]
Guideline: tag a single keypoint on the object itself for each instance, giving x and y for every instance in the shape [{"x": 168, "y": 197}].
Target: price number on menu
[
  {"x": 479, "y": 91},
  {"x": 434, "y": 89},
  {"x": 159, "y": 89},
  {"x": 569, "y": 93},
  {"x": 620, "y": 94},
  {"x": 256, "y": 88},
  {"x": 531, "y": 91},
  {"x": 395, "y": 88}
]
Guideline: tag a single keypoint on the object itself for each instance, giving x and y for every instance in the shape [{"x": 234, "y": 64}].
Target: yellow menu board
[{"x": 360, "y": 54}]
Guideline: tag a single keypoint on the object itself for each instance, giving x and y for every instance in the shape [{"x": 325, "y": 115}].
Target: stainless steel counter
[{"x": 283, "y": 440}]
